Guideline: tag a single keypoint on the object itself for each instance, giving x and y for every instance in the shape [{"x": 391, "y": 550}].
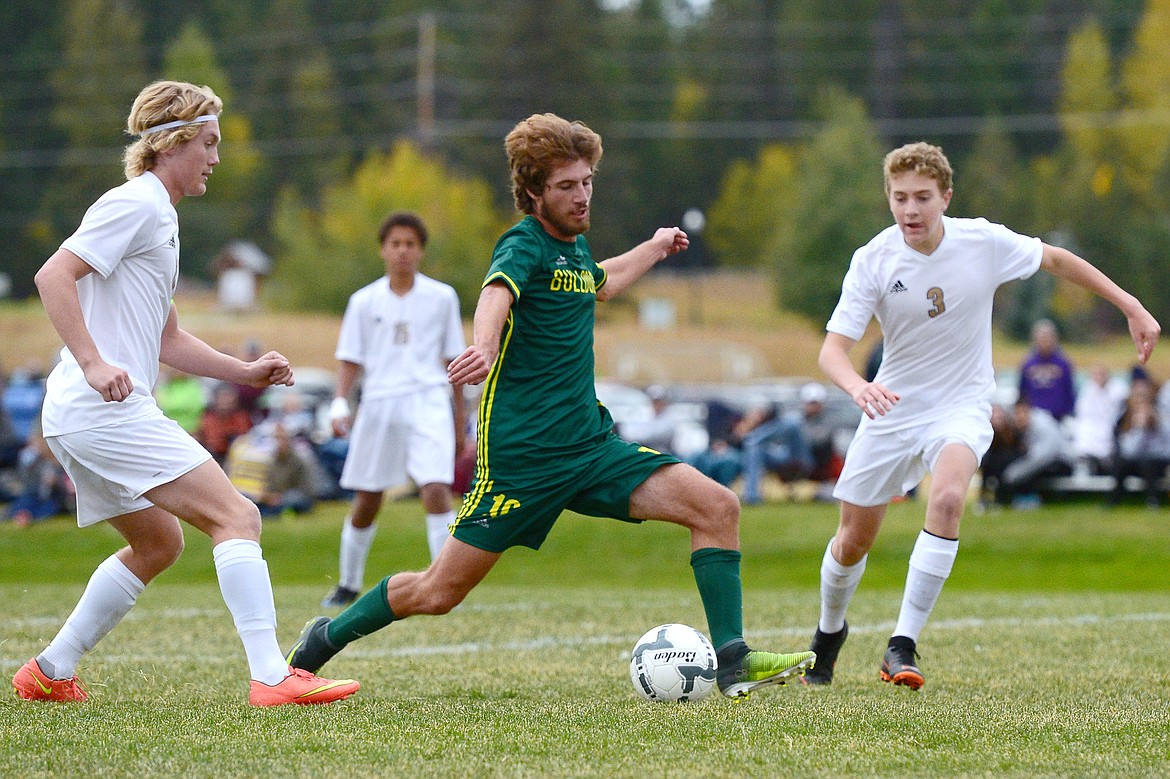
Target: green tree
[
  {"x": 102, "y": 68},
  {"x": 1145, "y": 83},
  {"x": 991, "y": 183},
  {"x": 1109, "y": 161},
  {"x": 325, "y": 254},
  {"x": 751, "y": 207},
  {"x": 229, "y": 209},
  {"x": 837, "y": 207}
]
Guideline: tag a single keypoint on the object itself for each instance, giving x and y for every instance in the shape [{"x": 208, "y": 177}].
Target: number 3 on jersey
[{"x": 935, "y": 295}]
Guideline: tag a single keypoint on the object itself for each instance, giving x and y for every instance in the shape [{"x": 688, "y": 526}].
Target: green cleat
[
  {"x": 762, "y": 669},
  {"x": 312, "y": 648}
]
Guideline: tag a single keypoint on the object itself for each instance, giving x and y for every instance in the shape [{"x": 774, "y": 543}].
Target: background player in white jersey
[
  {"x": 401, "y": 330},
  {"x": 930, "y": 281},
  {"x": 107, "y": 291}
]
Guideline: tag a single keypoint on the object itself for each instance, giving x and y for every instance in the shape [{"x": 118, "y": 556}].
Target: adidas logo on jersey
[{"x": 898, "y": 286}]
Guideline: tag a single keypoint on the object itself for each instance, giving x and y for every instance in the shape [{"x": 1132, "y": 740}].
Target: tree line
[{"x": 770, "y": 117}]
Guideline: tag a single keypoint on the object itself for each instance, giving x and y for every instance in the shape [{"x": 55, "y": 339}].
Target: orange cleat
[
  {"x": 301, "y": 687},
  {"x": 31, "y": 684}
]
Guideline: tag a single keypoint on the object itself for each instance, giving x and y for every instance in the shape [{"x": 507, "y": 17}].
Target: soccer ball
[{"x": 673, "y": 663}]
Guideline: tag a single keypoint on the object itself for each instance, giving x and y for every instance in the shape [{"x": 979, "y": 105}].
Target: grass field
[{"x": 1047, "y": 656}]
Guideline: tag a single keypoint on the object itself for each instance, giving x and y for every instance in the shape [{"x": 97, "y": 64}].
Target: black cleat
[
  {"x": 826, "y": 645},
  {"x": 312, "y": 648},
  {"x": 339, "y": 598},
  {"x": 898, "y": 666}
]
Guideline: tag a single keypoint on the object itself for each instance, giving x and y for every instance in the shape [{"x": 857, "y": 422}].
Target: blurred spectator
[
  {"x": 1099, "y": 405},
  {"x": 1141, "y": 383},
  {"x": 180, "y": 396},
  {"x": 1142, "y": 446},
  {"x": 293, "y": 415},
  {"x": 658, "y": 432},
  {"x": 1006, "y": 447},
  {"x": 290, "y": 485},
  {"x": 45, "y": 490},
  {"x": 222, "y": 422},
  {"x": 796, "y": 446},
  {"x": 23, "y": 396},
  {"x": 722, "y": 460},
  {"x": 1046, "y": 376},
  {"x": 1027, "y": 445},
  {"x": 719, "y": 461}
]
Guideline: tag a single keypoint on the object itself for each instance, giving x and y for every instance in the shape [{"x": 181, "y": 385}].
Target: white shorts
[
  {"x": 401, "y": 439},
  {"x": 882, "y": 466},
  {"x": 112, "y": 467}
]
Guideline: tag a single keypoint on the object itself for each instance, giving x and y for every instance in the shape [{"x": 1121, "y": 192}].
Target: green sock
[
  {"x": 369, "y": 613},
  {"x": 717, "y": 574}
]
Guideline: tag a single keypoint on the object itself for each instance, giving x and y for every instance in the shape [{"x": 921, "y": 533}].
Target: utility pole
[{"x": 425, "y": 79}]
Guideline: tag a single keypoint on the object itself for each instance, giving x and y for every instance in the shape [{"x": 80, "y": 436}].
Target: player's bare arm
[
  {"x": 184, "y": 352},
  {"x": 872, "y": 398},
  {"x": 625, "y": 269},
  {"x": 1143, "y": 328},
  {"x": 57, "y": 284},
  {"x": 340, "y": 416},
  {"x": 491, "y": 312}
]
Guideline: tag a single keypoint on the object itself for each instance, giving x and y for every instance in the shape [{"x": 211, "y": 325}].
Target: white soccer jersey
[
  {"x": 402, "y": 342},
  {"x": 130, "y": 237},
  {"x": 934, "y": 312}
]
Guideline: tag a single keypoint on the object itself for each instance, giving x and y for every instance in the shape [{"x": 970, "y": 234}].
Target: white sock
[
  {"x": 930, "y": 565},
  {"x": 109, "y": 596},
  {"x": 247, "y": 591},
  {"x": 838, "y": 583},
  {"x": 355, "y": 550},
  {"x": 437, "y": 531}
]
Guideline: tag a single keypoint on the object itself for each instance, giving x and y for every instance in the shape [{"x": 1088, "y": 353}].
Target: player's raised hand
[
  {"x": 1145, "y": 331},
  {"x": 875, "y": 400},
  {"x": 471, "y": 367},
  {"x": 671, "y": 240},
  {"x": 269, "y": 369},
  {"x": 110, "y": 381}
]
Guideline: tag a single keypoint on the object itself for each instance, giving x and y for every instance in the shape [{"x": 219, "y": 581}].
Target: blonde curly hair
[{"x": 921, "y": 158}]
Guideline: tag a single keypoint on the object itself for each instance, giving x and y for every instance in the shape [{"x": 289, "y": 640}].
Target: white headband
[{"x": 179, "y": 123}]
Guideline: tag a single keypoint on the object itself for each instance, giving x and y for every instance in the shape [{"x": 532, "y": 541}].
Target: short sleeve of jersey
[
  {"x": 599, "y": 276},
  {"x": 512, "y": 264},
  {"x": 858, "y": 301},
  {"x": 350, "y": 345},
  {"x": 116, "y": 226},
  {"x": 1018, "y": 256}
]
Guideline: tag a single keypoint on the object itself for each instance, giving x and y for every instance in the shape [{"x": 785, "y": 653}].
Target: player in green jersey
[{"x": 545, "y": 443}]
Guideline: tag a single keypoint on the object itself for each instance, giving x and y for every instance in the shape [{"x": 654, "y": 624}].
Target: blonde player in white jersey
[
  {"x": 930, "y": 281},
  {"x": 107, "y": 291},
  {"x": 401, "y": 331}
]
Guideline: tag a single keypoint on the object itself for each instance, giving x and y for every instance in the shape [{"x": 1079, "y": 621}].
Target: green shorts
[{"x": 518, "y": 507}]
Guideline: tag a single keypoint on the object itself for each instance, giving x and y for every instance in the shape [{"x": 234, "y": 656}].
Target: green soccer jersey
[{"x": 539, "y": 400}]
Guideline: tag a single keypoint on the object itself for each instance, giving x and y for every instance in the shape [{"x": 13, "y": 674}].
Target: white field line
[{"x": 552, "y": 642}]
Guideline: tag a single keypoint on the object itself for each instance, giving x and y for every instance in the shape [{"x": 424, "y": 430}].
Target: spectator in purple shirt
[{"x": 1046, "y": 375}]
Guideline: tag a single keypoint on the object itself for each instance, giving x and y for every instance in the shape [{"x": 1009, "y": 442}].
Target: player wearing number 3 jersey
[{"x": 930, "y": 281}]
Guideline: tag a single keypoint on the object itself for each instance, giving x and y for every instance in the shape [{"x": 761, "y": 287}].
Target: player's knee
[
  {"x": 243, "y": 520},
  {"x": 161, "y": 553},
  {"x": 440, "y": 601},
  {"x": 724, "y": 507},
  {"x": 949, "y": 502},
  {"x": 848, "y": 550}
]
